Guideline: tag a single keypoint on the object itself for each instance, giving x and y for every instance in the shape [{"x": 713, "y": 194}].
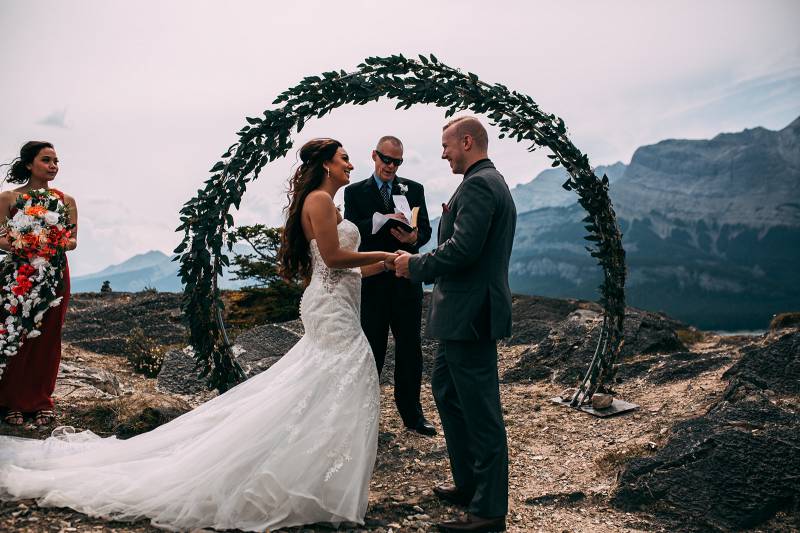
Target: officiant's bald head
[{"x": 464, "y": 142}]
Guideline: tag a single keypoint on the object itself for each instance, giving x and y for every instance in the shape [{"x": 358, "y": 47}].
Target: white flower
[
  {"x": 34, "y": 333},
  {"x": 38, "y": 262},
  {"x": 38, "y": 317},
  {"x": 56, "y": 302},
  {"x": 403, "y": 188},
  {"x": 51, "y": 217},
  {"x": 21, "y": 220}
]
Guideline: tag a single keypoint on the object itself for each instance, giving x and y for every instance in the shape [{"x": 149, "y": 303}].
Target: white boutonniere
[{"x": 403, "y": 188}]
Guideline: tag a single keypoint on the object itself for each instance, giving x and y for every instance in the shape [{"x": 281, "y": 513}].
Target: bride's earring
[{"x": 327, "y": 172}]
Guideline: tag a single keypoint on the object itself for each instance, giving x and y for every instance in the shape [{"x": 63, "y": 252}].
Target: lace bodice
[
  {"x": 329, "y": 278},
  {"x": 349, "y": 239}
]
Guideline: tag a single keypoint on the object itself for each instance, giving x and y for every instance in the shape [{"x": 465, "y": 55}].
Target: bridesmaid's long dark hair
[
  {"x": 18, "y": 171},
  {"x": 293, "y": 253}
]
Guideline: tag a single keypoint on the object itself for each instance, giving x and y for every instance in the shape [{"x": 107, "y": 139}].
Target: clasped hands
[{"x": 398, "y": 262}]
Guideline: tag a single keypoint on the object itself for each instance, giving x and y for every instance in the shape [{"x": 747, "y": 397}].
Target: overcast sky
[{"x": 140, "y": 98}]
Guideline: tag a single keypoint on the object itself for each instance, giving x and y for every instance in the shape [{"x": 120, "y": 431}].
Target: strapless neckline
[{"x": 338, "y": 224}]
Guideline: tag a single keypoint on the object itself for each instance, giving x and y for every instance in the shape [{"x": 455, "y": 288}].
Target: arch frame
[{"x": 206, "y": 219}]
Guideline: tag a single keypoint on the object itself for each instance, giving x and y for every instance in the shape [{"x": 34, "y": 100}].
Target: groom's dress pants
[
  {"x": 467, "y": 392},
  {"x": 388, "y": 302}
]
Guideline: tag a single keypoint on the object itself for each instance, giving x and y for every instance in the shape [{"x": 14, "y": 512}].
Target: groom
[{"x": 470, "y": 310}]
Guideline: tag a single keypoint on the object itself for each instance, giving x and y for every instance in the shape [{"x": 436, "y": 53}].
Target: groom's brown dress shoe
[
  {"x": 475, "y": 524},
  {"x": 451, "y": 494}
]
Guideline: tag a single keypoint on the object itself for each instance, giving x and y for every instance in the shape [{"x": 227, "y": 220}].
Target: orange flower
[{"x": 36, "y": 210}]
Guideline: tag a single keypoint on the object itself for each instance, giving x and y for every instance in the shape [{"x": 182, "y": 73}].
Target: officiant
[{"x": 390, "y": 214}]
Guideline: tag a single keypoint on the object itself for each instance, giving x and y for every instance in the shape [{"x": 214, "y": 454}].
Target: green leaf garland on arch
[{"x": 205, "y": 219}]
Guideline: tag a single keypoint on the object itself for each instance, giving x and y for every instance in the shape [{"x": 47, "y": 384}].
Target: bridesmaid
[{"x": 30, "y": 376}]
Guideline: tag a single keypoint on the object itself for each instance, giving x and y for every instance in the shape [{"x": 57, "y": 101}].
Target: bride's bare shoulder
[{"x": 318, "y": 201}]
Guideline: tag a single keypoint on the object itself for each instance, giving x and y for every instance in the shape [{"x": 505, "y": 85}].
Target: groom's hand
[{"x": 401, "y": 264}]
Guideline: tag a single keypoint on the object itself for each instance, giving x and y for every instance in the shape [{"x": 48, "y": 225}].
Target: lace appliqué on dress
[{"x": 330, "y": 277}]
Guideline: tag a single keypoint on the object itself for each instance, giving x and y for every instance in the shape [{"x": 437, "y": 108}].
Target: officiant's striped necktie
[{"x": 387, "y": 196}]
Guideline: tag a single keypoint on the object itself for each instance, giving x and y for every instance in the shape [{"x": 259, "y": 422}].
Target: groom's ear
[{"x": 467, "y": 142}]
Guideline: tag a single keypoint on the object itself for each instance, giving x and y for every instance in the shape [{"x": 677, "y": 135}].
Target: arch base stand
[{"x": 617, "y": 407}]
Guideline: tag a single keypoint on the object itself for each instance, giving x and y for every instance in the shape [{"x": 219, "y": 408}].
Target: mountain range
[
  {"x": 153, "y": 269},
  {"x": 711, "y": 229}
]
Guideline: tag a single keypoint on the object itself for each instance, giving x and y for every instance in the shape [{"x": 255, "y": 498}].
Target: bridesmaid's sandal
[
  {"x": 43, "y": 417},
  {"x": 14, "y": 418}
]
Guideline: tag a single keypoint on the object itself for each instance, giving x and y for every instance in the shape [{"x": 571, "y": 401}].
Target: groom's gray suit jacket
[{"x": 471, "y": 299}]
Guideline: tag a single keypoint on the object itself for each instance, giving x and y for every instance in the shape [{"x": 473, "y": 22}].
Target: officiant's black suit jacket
[{"x": 363, "y": 198}]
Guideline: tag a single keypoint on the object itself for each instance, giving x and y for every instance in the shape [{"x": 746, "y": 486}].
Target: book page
[
  {"x": 378, "y": 220},
  {"x": 401, "y": 206}
]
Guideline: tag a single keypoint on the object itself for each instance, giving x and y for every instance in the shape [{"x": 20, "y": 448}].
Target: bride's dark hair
[{"x": 293, "y": 254}]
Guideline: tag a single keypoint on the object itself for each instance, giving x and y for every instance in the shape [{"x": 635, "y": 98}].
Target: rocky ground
[{"x": 713, "y": 446}]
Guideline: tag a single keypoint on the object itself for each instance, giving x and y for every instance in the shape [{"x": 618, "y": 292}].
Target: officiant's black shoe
[
  {"x": 474, "y": 524},
  {"x": 423, "y": 427},
  {"x": 451, "y": 494}
]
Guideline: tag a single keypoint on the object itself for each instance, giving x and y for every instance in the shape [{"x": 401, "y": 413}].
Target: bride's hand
[{"x": 388, "y": 261}]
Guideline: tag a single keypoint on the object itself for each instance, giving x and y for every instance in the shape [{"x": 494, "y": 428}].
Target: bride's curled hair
[{"x": 293, "y": 254}]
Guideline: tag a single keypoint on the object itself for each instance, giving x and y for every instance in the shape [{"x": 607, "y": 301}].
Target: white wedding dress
[{"x": 293, "y": 445}]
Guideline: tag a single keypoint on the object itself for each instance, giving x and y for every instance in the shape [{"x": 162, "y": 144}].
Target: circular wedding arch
[{"x": 205, "y": 219}]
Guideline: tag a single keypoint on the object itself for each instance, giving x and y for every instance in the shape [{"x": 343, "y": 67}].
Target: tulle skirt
[{"x": 293, "y": 445}]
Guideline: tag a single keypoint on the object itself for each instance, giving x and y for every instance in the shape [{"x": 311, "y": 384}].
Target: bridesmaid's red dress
[{"x": 29, "y": 379}]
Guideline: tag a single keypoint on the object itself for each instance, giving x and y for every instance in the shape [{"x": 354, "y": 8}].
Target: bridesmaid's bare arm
[
  {"x": 6, "y": 201},
  {"x": 73, "y": 219}
]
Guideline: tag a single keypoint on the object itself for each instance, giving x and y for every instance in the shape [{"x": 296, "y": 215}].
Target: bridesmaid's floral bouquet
[{"x": 32, "y": 271}]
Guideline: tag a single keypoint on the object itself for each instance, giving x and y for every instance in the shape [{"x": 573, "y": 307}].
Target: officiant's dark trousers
[
  {"x": 389, "y": 302},
  {"x": 467, "y": 392}
]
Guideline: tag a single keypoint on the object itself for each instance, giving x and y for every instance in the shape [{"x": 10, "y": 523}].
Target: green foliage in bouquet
[{"x": 205, "y": 219}]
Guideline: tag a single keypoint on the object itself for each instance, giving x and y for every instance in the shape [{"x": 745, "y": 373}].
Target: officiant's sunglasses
[{"x": 389, "y": 160}]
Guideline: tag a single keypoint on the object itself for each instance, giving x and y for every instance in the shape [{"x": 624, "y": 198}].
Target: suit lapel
[{"x": 396, "y": 185}]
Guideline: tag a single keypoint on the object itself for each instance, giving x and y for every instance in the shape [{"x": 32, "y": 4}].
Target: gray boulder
[
  {"x": 262, "y": 346},
  {"x": 79, "y": 382},
  {"x": 178, "y": 374},
  {"x": 564, "y": 354},
  {"x": 256, "y": 350}
]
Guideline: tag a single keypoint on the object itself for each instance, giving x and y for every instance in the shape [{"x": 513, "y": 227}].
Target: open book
[{"x": 381, "y": 222}]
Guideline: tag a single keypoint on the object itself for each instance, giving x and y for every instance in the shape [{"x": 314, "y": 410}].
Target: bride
[{"x": 293, "y": 445}]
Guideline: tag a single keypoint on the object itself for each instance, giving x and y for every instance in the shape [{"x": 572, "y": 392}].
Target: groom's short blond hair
[{"x": 469, "y": 125}]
